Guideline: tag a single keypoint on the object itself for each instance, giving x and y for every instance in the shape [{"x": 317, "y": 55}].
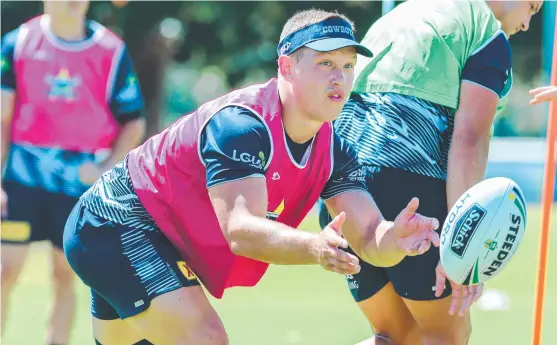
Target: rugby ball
[{"x": 482, "y": 231}]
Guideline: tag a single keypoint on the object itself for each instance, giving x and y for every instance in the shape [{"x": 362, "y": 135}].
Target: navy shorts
[
  {"x": 125, "y": 268},
  {"x": 414, "y": 277},
  {"x": 35, "y": 215}
]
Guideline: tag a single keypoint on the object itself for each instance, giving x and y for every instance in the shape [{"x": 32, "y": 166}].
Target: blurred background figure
[{"x": 71, "y": 109}]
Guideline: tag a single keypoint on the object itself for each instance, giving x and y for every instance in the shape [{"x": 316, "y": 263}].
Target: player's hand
[
  {"x": 4, "y": 202},
  {"x": 89, "y": 173},
  {"x": 462, "y": 296},
  {"x": 543, "y": 94},
  {"x": 331, "y": 257},
  {"x": 415, "y": 232}
]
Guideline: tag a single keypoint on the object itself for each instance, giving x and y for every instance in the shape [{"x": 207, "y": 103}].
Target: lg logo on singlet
[{"x": 256, "y": 162}]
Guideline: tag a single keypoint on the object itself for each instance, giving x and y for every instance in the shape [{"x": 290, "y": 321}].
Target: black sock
[{"x": 97, "y": 342}]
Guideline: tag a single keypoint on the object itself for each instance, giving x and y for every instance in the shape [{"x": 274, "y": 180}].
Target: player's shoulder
[
  {"x": 342, "y": 147},
  {"x": 477, "y": 19},
  {"x": 238, "y": 115},
  {"x": 236, "y": 122},
  {"x": 105, "y": 37},
  {"x": 10, "y": 38}
]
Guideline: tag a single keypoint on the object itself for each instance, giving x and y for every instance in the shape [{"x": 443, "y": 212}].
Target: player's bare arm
[
  {"x": 378, "y": 241},
  {"x": 130, "y": 136},
  {"x": 240, "y": 207},
  {"x": 543, "y": 94},
  {"x": 466, "y": 166},
  {"x": 470, "y": 142}
]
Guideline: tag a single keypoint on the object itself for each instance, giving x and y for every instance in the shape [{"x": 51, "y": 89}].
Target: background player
[
  {"x": 420, "y": 117},
  {"x": 70, "y": 110},
  {"x": 265, "y": 151}
]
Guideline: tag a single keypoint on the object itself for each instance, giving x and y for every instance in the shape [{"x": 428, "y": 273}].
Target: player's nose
[
  {"x": 525, "y": 25},
  {"x": 338, "y": 77}
]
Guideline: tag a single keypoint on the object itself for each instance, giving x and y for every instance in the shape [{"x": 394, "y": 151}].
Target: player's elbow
[
  {"x": 237, "y": 237},
  {"x": 470, "y": 139}
]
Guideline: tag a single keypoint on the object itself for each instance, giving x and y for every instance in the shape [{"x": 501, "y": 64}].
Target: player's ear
[{"x": 285, "y": 63}]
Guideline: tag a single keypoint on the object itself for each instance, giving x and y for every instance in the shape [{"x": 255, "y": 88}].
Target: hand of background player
[
  {"x": 543, "y": 94},
  {"x": 462, "y": 296},
  {"x": 89, "y": 173},
  {"x": 415, "y": 232},
  {"x": 4, "y": 202},
  {"x": 331, "y": 257}
]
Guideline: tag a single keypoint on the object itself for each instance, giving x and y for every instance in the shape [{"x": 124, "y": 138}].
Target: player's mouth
[{"x": 336, "y": 95}]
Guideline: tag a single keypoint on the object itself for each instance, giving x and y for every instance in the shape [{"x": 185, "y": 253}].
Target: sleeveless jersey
[{"x": 169, "y": 178}]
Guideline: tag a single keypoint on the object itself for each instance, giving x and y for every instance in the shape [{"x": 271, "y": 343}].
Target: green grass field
[{"x": 306, "y": 305}]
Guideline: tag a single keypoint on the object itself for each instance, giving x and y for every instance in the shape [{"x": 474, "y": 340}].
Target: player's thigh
[
  {"x": 183, "y": 316},
  {"x": 389, "y": 318},
  {"x": 12, "y": 260},
  {"x": 23, "y": 223},
  {"x": 385, "y": 311},
  {"x": 142, "y": 277},
  {"x": 60, "y": 269},
  {"x": 436, "y": 325},
  {"x": 114, "y": 332},
  {"x": 20, "y": 226},
  {"x": 108, "y": 328}
]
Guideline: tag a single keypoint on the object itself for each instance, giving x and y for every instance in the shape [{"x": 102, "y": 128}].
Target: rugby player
[
  {"x": 71, "y": 109},
  {"x": 217, "y": 195},
  {"x": 420, "y": 117}
]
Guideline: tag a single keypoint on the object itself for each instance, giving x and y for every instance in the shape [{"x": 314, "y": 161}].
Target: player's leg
[
  {"x": 385, "y": 311},
  {"x": 63, "y": 278},
  {"x": 63, "y": 307},
  {"x": 141, "y": 275},
  {"x": 12, "y": 258},
  {"x": 414, "y": 278},
  {"x": 19, "y": 228},
  {"x": 183, "y": 316},
  {"x": 387, "y": 314},
  {"x": 437, "y": 326},
  {"x": 108, "y": 328}
]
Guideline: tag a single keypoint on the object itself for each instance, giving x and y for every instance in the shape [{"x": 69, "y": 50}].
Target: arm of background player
[
  {"x": 483, "y": 79},
  {"x": 543, "y": 94},
  {"x": 238, "y": 192},
  {"x": 374, "y": 239},
  {"x": 8, "y": 92},
  {"x": 127, "y": 106}
]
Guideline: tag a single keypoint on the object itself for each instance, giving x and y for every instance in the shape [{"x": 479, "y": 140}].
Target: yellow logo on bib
[
  {"x": 15, "y": 231},
  {"x": 186, "y": 270}
]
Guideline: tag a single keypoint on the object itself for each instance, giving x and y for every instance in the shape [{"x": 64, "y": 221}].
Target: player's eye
[
  {"x": 326, "y": 63},
  {"x": 349, "y": 65}
]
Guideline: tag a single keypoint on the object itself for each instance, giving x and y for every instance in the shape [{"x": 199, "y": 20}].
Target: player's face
[
  {"x": 517, "y": 15},
  {"x": 67, "y": 9},
  {"x": 321, "y": 82}
]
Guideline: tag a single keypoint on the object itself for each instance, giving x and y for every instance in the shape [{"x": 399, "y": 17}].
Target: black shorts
[
  {"x": 414, "y": 277},
  {"x": 35, "y": 214},
  {"x": 125, "y": 268}
]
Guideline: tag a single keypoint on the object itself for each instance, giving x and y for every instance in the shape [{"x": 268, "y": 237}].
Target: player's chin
[{"x": 331, "y": 112}]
